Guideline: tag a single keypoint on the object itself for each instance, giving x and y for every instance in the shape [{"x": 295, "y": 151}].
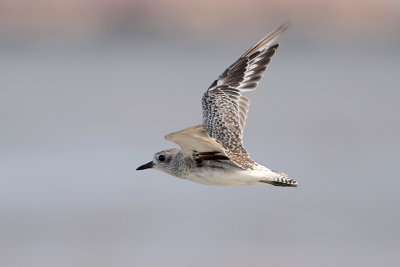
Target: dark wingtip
[{"x": 275, "y": 46}]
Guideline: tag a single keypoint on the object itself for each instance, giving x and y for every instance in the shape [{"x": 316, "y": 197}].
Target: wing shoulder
[
  {"x": 198, "y": 145},
  {"x": 195, "y": 138}
]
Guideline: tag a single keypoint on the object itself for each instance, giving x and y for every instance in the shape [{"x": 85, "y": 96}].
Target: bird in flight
[{"x": 213, "y": 153}]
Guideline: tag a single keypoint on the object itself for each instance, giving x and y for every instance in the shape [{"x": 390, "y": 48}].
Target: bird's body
[
  {"x": 213, "y": 153},
  {"x": 222, "y": 173}
]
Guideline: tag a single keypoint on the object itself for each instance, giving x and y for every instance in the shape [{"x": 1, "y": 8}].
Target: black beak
[{"x": 145, "y": 166}]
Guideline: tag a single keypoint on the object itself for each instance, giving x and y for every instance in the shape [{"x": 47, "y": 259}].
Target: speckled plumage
[
  {"x": 224, "y": 107},
  {"x": 213, "y": 153}
]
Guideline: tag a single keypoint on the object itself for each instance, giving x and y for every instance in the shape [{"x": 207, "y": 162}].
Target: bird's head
[{"x": 161, "y": 160}]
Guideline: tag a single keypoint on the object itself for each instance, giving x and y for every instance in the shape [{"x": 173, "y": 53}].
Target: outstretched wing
[
  {"x": 197, "y": 144},
  {"x": 224, "y": 107}
]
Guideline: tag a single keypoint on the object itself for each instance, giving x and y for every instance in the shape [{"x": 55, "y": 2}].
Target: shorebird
[{"x": 213, "y": 153}]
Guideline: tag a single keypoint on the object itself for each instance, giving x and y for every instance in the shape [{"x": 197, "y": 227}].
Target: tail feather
[
  {"x": 289, "y": 183},
  {"x": 280, "y": 179}
]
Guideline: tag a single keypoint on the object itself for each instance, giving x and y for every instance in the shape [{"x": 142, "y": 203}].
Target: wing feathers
[
  {"x": 224, "y": 107},
  {"x": 270, "y": 38}
]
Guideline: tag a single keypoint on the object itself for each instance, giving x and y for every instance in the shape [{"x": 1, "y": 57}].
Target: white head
[{"x": 161, "y": 160}]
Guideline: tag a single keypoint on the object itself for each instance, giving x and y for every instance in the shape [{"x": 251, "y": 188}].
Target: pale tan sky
[{"x": 200, "y": 17}]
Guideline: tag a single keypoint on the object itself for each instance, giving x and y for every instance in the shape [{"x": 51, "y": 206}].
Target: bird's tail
[{"x": 279, "y": 179}]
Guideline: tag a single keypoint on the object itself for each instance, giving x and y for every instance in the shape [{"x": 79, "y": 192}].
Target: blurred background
[{"x": 89, "y": 88}]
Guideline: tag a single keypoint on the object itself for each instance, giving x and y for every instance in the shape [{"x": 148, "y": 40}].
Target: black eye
[{"x": 161, "y": 158}]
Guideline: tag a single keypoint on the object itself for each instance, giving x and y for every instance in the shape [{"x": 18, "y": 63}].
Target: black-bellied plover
[{"x": 212, "y": 153}]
